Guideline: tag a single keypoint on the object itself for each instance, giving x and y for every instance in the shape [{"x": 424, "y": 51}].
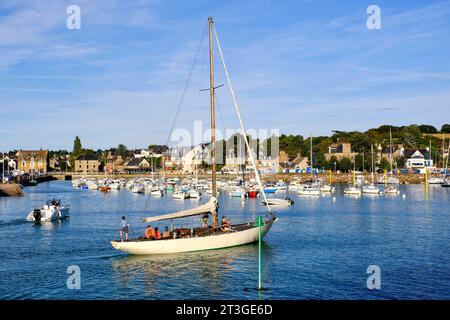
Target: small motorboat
[
  {"x": 371, "y": 189},
  {"x": 51, "y": 211},
  {"x": 352, "y": 191},
  {"x": 157, "y": 192},
  {"x": 195, "y": 194},
  {"x": 309, "y": 190},
  {"x": 391, "y": 190},
  {"x": 279, "y": 202},
  {"x": 180, "y": 195}
]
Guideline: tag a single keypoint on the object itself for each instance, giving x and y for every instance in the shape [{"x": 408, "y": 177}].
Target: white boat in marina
[
  {"x": 295, "y": 186},
  {"x": 181, "y": 195},
  {"x": 326, "y": 188},
  {"x": 435, "y": 180},
  {"x": 157, "y": 192},
  {"x": 371, "y": 188},
  {"x": 279, "y": 202},
  {"x": 195, "y": 194},
  {"x": 391, "y": 190},
  {"x": 352, "y": 190},
  {"x": 138, "y": 188},
  {"x": 208, "y": 238},
  {"x": 115, "y": 185},
  {"x": 309, "y": 190},
  {"x": 53, "y": 210},
  {"x": 92, "y": 185}
]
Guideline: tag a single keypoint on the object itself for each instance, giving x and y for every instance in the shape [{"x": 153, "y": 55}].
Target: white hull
[
  {"x": 353, "y": 191},
  {"x": 309, "y": 192},
  {"x": 370, "y": 190},
  {"x": 279, "y": 202},
  {"x": 50, "y": 214},
  {"x": 179, "y": 195},
  {"x": 180, "y": 245}
]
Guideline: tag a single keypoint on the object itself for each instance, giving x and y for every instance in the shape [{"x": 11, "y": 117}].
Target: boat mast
[
  {"x": 390, "y": 148},
  {"x": 213, "y": 122},
  {"x": 371, "y": 148},
  {"x": 312, "y": 162}
]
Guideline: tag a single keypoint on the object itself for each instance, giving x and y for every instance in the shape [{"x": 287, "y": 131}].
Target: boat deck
[{"x": 198, "y": 232}]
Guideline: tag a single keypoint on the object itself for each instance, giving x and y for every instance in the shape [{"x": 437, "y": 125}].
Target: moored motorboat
[{"x": 279, "y": 202}]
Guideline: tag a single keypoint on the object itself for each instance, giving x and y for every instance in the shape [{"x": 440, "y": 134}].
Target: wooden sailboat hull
[{"x": 219, "y": 241}]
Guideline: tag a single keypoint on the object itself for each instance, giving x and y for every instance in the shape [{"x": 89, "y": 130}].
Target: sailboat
[
  {"x": 391, "y": 182},
  {"x": 353, "y": 189},
  {"x": 214, "y": 237},
  {"x": 310, "y": 189},
  {"x": 446, "y": 183},
  {"x": 371, "y": 188}
]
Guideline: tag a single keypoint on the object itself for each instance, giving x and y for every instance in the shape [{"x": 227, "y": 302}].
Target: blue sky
[{"x": 298, "y": 66}]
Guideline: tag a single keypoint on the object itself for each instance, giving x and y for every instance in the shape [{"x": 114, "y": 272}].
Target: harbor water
[{"x": 319, "y": 248}]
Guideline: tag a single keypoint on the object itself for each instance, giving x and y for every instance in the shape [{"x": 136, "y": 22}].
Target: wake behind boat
[
  {"x": 214, "y": 236},
  {"x": 53, "y": 210}
]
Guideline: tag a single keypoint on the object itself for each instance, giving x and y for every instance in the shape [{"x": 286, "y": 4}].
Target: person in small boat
[
  {"x": 124, "y": 228},
  {"x": 225, "y": 224},
  {"x": 157, "y": 234},
  {"x": 149, "y": 232},
  {"x": 166, "y": 233}
]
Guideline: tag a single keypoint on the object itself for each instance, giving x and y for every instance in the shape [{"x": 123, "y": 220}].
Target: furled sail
[{"x": 209, "y": 207}]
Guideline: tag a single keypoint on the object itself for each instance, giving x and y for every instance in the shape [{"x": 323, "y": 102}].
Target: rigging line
[
  {"x": 180, "y": 103},
  {"x": 258, "y": 178},
  {"x": 221, "y": 115}
]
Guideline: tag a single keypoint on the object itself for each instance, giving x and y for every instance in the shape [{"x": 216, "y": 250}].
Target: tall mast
[
  {"x": 213, "y": 121},
  {"x": 312, "y": 162},
  {"x": 371, "y": 148},
  {"x": 390, "y": 148}
]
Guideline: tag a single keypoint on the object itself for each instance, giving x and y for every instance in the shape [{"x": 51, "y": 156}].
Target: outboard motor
[{"x": 37, "y": 215}]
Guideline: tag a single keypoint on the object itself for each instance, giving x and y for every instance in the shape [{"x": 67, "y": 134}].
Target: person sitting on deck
[
  {"x": 166, "y": 233},
  {"x": 149, "y": 232},
  {"x": 205, "y": 220},
  {"x": 157, "y": 234},
  {"x": 225, "y": 224}
]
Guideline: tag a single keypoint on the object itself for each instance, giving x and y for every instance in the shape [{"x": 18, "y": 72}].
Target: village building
[
  {"x": 340, "y": 150},
  {"x": 137, "y": 165},
  {"x": 289, "y": 163},
  {"x": 87, "y": 164},
  {"x": 32, "y": 161},
  {"x": 119, "y": 164},
  {"x": 418, "y": 159}
]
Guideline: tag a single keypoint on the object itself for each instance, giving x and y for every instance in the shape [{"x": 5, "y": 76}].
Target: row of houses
[{"x": 189, "y": 160}]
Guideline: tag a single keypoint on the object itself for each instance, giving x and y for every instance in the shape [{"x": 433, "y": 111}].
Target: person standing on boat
[{"x": 124, "y": 228}]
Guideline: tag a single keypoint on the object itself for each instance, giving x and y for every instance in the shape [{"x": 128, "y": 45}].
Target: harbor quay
[{"x": 334, "y": 178}]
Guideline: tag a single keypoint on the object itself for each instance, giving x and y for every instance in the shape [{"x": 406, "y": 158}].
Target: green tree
[
  {"x": 345, "y": 164},
  {"x": 424, "y": 128},
  {"x": 122, "y": 150},
  {"x": 384, "y": 164},
  {"x": 445, "y": 128},
  {"x": 401, "y": 162},
  {"x": 77, "y": 147}
]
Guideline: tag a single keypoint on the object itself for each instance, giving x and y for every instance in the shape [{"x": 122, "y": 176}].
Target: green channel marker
[{"x": 259, "y": 223}]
